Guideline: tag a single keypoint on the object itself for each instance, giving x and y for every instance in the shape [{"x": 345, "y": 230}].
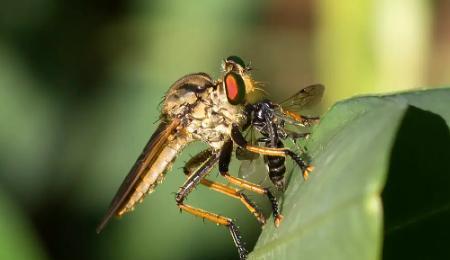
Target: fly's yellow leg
[
  {"x": 237, "y": 195},
  {"x": 197, "y": 160},
  {"x": 192, "y": 181},
  {"x": 219, "y": 220},
  {"x": 224, "y": 162},
  {"x": 257, "y": 189}
]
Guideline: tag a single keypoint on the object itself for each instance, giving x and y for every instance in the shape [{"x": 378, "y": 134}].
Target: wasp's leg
[
  {"x": 201, "y": 157},
  {"x": 304, "y": 120},
  {"x": 239, "y": 139},
  {"x": 224, "y": 162},
  {"x": 193, "y": 180}
]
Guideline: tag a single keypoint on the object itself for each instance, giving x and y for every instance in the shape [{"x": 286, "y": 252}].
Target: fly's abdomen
[{"x": 154, "y": 173}]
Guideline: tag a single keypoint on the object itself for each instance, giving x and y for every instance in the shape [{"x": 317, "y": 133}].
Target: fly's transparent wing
[{"x": 151, "y": 151}]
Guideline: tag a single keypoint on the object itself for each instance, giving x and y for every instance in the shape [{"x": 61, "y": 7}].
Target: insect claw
[
  {"x": 260, "y": 217},
  {"x": 307, "y": 171},
  {"x": 278, "y": 220},
  {"x": 305, "y": 175}
]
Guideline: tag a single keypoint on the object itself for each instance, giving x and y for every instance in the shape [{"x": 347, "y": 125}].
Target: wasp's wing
[
  {"x": 253, "y": 170},
  {"x": 306, "y": 97},
  {"x": 252, "y": 166},
  {"x": 243, "y": 154},
  {"x": 146, "y": 159}
]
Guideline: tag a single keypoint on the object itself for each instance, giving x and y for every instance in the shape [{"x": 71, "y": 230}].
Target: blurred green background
[{"x": 80, "y": 83}]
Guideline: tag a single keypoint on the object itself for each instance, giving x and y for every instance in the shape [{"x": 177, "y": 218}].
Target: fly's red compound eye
[{"x": 235, "y": 88}]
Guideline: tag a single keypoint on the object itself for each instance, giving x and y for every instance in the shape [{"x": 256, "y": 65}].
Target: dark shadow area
[{"x": 416, "y": 197}]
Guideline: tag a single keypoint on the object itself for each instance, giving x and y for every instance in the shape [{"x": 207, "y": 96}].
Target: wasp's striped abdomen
[{"x": 277, "y": 168}]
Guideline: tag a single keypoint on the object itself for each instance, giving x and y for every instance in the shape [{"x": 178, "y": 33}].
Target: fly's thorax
[
  {"x": 185, "y": 94},
  {"x": 206, "y": 107},
  {"x": 176, "y": 104},
  {"x": 211, "y": 119}
]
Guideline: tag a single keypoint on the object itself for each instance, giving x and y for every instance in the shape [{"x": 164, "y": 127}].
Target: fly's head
[
  {"x": 235, "y": 63},
  {"x": 212, "y": 104},
  {"x": 234, "y": 89},
  {"x": 235, "y": 67}
]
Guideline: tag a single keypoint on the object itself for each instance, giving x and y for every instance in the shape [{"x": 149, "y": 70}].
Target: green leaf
[{"x": 378, "y": 159}]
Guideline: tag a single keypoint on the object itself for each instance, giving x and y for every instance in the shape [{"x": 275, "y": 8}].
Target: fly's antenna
[
  {"x": 249, "y": 66},
  {"x": 223, "y": 65}
]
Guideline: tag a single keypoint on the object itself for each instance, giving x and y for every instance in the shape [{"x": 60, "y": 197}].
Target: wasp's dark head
[{"x": 263, "y": 110}]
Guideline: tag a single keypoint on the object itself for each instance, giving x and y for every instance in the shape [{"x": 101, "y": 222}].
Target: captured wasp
[
  {"x": 198, "y": 108},
  {"x": 270, "y": 120}
]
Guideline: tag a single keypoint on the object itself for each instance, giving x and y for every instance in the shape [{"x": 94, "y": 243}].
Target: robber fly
[
  {"x": 269, "y": 119},
  {"x": 198, "y": 108}
]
